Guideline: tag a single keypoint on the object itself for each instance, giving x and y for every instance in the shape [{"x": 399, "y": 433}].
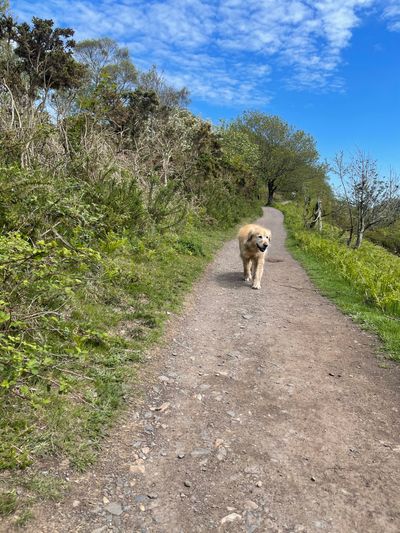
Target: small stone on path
[
  {"x": 137, "y": 469},
  {"x": 114, "y": 508},
  {"x": 222, "y": 453},
  {"x": 230, "y": 518},
  {"x": 249, "y": 505}
]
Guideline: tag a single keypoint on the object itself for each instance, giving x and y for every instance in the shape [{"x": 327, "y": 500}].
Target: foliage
[
  {"x": 287, "y": 159},
  {"x": 104, "y": 57},
  {"x": 388, "y": 237},
  {"x": 103, "y": 171},
  {"x": 169, "y": 97},
  {"x": 44, "y": 56}
]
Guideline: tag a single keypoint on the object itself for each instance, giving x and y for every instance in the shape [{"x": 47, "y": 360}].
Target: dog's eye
[{"x": 260, "y": 236}]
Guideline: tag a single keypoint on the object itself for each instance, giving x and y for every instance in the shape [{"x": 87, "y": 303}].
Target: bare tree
[
  {"x": 169, "y": 97},
  {"x": 339, "y": 168},
  {"x": 372, "y": 201}
]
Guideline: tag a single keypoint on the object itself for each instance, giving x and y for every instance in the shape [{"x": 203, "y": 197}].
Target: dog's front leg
[
  {"x": 258, "y": 269},
  {"x": 246, "y": 269}
]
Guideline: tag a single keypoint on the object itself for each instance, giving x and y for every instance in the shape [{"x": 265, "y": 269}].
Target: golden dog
[{"x": 253, "y": 243}]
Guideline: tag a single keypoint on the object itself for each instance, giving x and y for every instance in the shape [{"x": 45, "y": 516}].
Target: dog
[{"x": 253, "y": 244}]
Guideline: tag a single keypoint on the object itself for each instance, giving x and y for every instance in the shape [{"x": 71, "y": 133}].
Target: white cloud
[
  {"x": 223, "y": 49},
  {"x": 392, "y": 14}
]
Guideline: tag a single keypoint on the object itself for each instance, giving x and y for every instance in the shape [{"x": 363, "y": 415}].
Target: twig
[
  {"x": 66, "y": 243},
  {"x": 39, "y": 314},
  {"x": 73, "y": 373},
  {"x": 296, "y": 288}
]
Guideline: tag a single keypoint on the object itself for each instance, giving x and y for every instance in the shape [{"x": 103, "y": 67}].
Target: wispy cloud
[
  {"x": 226, "y": 50},
  {"x": 392, "y": 14}
]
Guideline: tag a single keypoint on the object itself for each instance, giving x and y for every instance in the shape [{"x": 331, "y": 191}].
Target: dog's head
[{"x": 260, "y": 237}]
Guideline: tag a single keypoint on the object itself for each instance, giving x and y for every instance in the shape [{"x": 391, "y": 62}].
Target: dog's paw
[
  {"x": 247, "y": 279},
  {"x": 256, "y": 286}
]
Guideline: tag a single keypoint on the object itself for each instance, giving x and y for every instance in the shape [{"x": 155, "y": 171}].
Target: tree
[
  {"x": 286, "y": 155},
  {"x": 242, "y": 155},
  {"x": 168, "y": 96},
  {"x": 372, "y": 201},
  {"x": 105, "y": 57},
  {"x": 43, "y": 57},
  {"x": 4, "y": 6},
  {"x": 340, "y": 169}
]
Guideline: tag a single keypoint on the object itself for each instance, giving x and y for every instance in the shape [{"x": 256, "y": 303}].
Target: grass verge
[{"x": 348, "y": 296}]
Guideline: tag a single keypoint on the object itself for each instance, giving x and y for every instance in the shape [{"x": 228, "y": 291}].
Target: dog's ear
[{"x": 250, "y": 236}]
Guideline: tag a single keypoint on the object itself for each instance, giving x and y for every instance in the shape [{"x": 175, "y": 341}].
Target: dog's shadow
[{"x": 230, "y": 280}]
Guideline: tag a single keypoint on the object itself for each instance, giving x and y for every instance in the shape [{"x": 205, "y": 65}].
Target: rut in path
[{"x": 265, "y": 411}]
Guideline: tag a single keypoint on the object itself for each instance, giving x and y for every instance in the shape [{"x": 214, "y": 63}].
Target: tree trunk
[
  {"x": 351, "y": 231},
  {"x": 271, "y": 190},
  {"x": 359, "y": 240},
  {"x": 317, "y": 216},
  {"x": 360, "y": 233}
]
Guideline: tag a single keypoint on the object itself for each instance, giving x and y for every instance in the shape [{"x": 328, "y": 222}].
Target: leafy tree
[
  {"x": 10, "y": 67},
  {"x": 143, "y": 104},
  {"x": 4, "y": 6},
  {"x": 242, "y": 155},
  {"x": 104, "y": 57},
  {"x": 286, "y": 156},
  {"x": 43, "y": 57},
  {"x": 116, "y": 91}
]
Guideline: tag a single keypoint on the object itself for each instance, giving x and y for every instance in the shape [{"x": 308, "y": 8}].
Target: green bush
[{"x": 389, "y": 238}]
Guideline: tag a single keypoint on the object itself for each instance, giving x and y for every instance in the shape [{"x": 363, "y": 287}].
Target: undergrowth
[{"x": 84, "y": 294}]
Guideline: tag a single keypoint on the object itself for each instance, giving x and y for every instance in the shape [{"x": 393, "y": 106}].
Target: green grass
[
  {"x": 8, "y": 503},
  {"x": 112, "y": 318},
  {"x": 44, "y": 486},
  {"x": 350, "y": 297}
]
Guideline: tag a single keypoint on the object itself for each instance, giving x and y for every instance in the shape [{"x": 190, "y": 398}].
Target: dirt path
[{"x": 273, "y": 415}]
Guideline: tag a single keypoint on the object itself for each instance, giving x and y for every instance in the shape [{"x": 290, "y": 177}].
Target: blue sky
[{"x": 329, "y": 67}]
